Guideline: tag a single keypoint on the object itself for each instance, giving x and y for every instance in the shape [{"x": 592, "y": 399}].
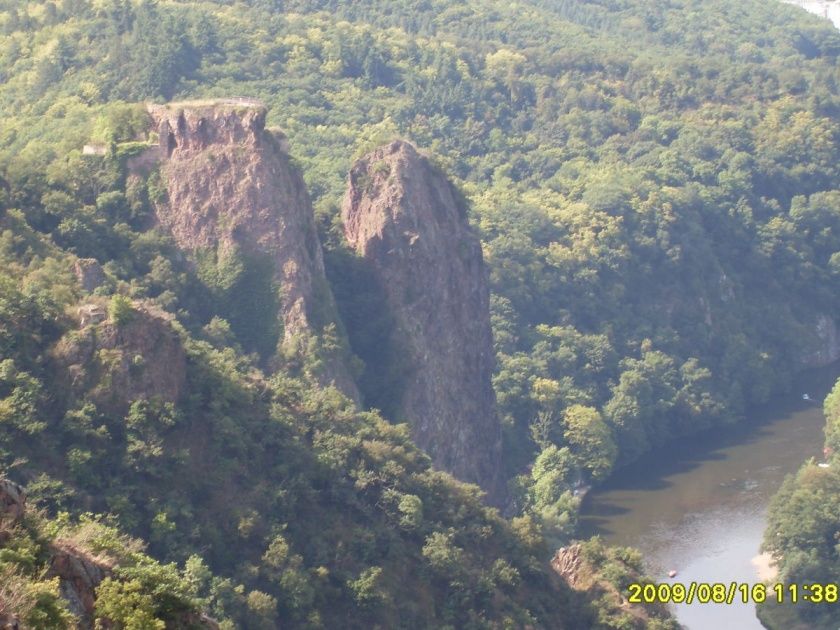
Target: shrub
[{"x": 120, "y": 310}]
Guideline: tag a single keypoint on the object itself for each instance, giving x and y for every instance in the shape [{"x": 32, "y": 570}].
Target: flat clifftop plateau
[
  {"x": 234, "y": 201},
  {"x": 406, "y": 220},
  {"x": 194, "y": 126}
]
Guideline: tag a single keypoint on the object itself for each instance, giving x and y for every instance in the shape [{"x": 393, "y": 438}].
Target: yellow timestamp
[{"x": 730, "y": 593}]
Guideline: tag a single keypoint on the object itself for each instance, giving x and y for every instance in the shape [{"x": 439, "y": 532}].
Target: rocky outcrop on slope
[
  {"x": 89, "y": 273},
  {"x": 114, "y": 363},
  {"x": 69, "y": 561},
  {"x": 232, "y": 192},
  {"x": 568, "y": 564},
  {"x": 77, "y": 571},
  {"x": 825, "y": 347},
  {"x": 12, "y": 503},
  {"x": 79, "y": 575},
  {"x": 589, "y": 569},
  {"x": 406, "y": 220}
]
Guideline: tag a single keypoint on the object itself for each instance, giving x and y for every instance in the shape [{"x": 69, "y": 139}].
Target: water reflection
[{"x": 699, "y": 505}]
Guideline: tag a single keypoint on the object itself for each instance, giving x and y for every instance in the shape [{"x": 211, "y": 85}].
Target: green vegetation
[
  {"x": 654, "y": 184},
  {"x": 241, "y": 289},
  {"x": 646, "y": 179},
  {"x": 802, "y": 533},
  {"x": 139, "y": 592},
  {"x": 606, "y": 574},
  {"x": 304, "y": 509},
  {"x": 120, "y": 310}
]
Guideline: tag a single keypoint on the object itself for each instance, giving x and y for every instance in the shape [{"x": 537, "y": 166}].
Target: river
[{"x": 699, "y": 506}]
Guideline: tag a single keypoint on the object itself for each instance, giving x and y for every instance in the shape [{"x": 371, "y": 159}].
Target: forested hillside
[
  {"x": 655, "y": 186},
  {"x": 309, "y": 512}
]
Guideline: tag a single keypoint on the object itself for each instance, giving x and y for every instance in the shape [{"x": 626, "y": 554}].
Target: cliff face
[
  {"x": 231, "y": 191},
  {"x": 825, "y": 347},
  {"x": 585, "y": 573},
  {"x": 79, "y": 574},
  {"x": 114, "y": 364},
  {"x": 404, "y": 218}
]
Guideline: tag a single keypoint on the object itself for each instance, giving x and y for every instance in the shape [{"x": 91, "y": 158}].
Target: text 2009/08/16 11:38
[{"x": 733, "y": 592}]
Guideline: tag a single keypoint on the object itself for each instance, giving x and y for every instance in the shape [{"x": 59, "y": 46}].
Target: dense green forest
[
  {"x": 310, "y": 513},
  {"x": 139, "y": 592},
  {"x": 655, "y": 186}
]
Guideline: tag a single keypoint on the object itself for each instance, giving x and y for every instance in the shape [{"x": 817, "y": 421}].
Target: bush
[{"x": 120, "y": 310}]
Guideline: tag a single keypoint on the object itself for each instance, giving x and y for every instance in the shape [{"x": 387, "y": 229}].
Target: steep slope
[
  {"x": 235, "y": 202},
  {"x": 135, "y": 354},
  {"x": 407, "y": 220},
  {"x": 59, "y": 574},
  {"x": 603, "y": 573},
  {"x": 655, "y": 189},
  {"x": 309, "y": 513}
]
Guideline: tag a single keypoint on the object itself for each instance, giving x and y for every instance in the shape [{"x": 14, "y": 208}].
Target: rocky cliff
[
  {"x": 79, "y": 574},
  {"x": 406, "y": 220},
  {"x": 589, "y": 568},
  {"x": 234, "y": 199},
  {"x": 824, "y": 347},
  {"x": 114, "y": 363}
]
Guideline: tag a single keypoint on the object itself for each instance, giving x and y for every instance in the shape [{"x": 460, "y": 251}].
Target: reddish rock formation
[
  {"x": 231, "y": 187},
  {"x": 406, "y": 219},
  {"x": 115, "y": 364},
  {"x": 78, "y": 571},
  {"x": 568, "y": 564},
  {"x": 12, "y": 502},
  {"x": 79, "y": 575},
  {"x": 575, "y": 567},
  {"x": 89, "y": 273}
]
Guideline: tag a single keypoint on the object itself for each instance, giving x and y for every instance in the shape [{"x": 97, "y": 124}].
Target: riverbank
[
  {"x": 699, "y": 506},
  {"x": 765, "y": 568}
]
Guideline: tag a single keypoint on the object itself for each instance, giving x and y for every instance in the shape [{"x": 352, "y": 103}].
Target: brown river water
[{"x": 699, "y": 505}]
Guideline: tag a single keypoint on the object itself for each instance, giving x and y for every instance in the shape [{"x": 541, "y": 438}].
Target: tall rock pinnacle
[
  {"x": 406, "y": 220},
  {"x": 233, "y": 195}
]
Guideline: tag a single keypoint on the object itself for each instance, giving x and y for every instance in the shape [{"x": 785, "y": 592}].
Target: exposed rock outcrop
[
  {"x": 116, "y": 363},
  {"x": 588, "y": 573},
  {"x": 232, "y": 190},
  {"x": 826, "y": 347},
  {"x": 406, "y": 219},
  {"x": 79, "y": 575},
  {"x": 12, "y": 503},
  {"x": 89, "y": 273},
  {"x": 568, "y": 564},
  {"x": 78, "y": 572}
]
